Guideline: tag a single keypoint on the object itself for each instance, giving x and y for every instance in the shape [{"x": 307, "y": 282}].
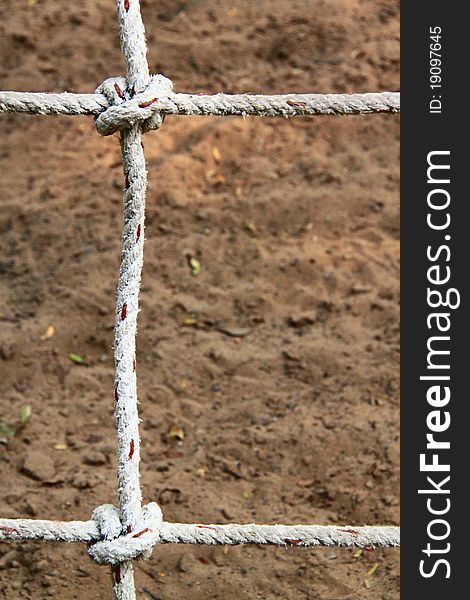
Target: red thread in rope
[
  {"x": 349, "y": 531},
  {"x": 292, "y": 542},
  {"x": 136, "y": 535},
  {"x": 117, "y": 573},
  {"x": 119, "y": 92},
  {"x": 292, "y": 103},
  {"x": 8, "y": 529},
  {"x": 147, "y": 103}
]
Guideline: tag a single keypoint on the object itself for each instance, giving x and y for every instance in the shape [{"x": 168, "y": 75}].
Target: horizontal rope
[
  {"x": 281, "y": 535},
  {"x": 233, "y": 534},
  {"x": 285, "y": 105},
  {"x": 41, "y": 103}
]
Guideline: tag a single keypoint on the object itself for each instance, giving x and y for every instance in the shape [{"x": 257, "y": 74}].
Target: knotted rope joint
[
  {"x": 117, "y": 546},
  {"x": 127, "y": 108}
]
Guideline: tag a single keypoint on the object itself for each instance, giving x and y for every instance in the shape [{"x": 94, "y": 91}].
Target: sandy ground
[{"x": 269, "y": 383}]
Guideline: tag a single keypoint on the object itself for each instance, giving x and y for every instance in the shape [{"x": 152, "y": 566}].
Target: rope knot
[
  {"x": 114, "y": 546},
  {"x": 127, "y": 108}
]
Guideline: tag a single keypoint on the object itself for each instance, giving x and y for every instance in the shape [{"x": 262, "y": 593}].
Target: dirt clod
[{"x": 38, "y": 466}]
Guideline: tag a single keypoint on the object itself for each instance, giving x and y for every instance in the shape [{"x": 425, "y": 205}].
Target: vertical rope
[
  {"x": 133, "y": 44},
  {"x": 134, "y": 47}
]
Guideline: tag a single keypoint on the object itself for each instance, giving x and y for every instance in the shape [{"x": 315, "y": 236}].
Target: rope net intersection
[{"x": 132, "y": 106}]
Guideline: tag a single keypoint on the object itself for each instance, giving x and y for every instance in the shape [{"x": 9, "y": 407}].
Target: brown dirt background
[{"x": 296, "y": 224}]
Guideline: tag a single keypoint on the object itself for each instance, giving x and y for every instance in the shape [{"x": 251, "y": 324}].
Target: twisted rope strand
[
  {"x": 45, "y": 103},
  {"x": 189, "y": 533},
  {"x": 285, "y": 105},
  {"x": 134, "y": 48}
]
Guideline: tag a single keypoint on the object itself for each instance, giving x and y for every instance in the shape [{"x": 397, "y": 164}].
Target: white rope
[
  {"x": 42, "y": 103},
  {"x": 122, "y": 112},
  {"x": 134, "y": 49},
  {"x": 49, "y": 531},
  {"x": 283, "y": 105},
  {"x": 281, "y": 535},
  {"x": 109, "y": 547}
]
